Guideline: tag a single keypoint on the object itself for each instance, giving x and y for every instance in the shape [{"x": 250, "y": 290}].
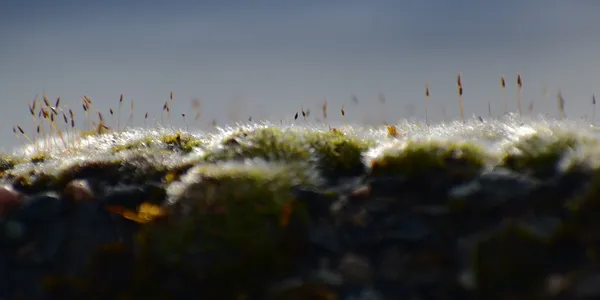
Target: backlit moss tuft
[
  {"x": 238, "y": 215},
  {"x": 422, "y": 159},
  {"x": 272, "y": 144},
  {"x": 181, "y": 142},
  {"x": 539, "y": 155},
  {"x": 137, "y": 169},
  {"x": 339, "y": 154}
]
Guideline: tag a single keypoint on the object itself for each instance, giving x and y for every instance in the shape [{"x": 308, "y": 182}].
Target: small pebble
[
  {"x": 9, "y": 199},
  {"x": 40, "y": 208},
  {"x": 79, "y": 191},
  {"x": 14, "y": 230},
  {"x": 355, "y": 268},
  {"x": 360, "y": 195}
]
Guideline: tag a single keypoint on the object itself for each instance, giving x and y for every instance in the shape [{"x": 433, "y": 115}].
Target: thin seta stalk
[
  {"x": 519, "y": 87},
  {"x": 130, "y": 120},
  {"x": 382, "y": 101},
  {"x": 460, "y": 98},
  {"x": 169, "y": 109},
  {"x": 186, "y": 124},
  {"x": 561, "y": 105},
  {"x": 119, "y": 113},
  {"x": 427, "y": 103},
  {"x": 324, "y": 110},
  {"x": 593, "y": 109},
  {"x": 503, "y": 84}
]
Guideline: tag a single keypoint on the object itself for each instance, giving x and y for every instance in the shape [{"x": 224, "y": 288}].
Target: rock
[
  {"x": 325, "y": 275},
  {"x": 366, "y": 293},
  {"x": 40, "y": 208},
  {"x": 587, "y": 287},
  {"x": 493, "y": 189},
  {"x": 13, "y": 230},
  {"x": 130, "y": 197},
  {"x": 318, "y": 203},
  {"x": 387, "y": 186},
  {"x": 356, "y": 269},
  {"x": 10, "y": 199},
  {"x": 88, "y": 229},
  {"x": 325, "y": 237},
  {"x": 78, "y": 191}
]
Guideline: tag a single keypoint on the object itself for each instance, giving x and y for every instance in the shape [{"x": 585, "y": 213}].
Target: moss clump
[
  {"x": 8, "y": 162},
  {"x": 271, "y": 144},
  {"x": 333, "y": 152},
  {"x": 338, "y": 154},
  {"x": 135, "y": 170},
  {"x": 180, "y": 142},
  {"x": 513, "y": 262},
  {"x": 539, "y": 155},
  {"x": 185, "y": 143},
  {"x": 99, "y": 129},
  {"x": 232, "y": 216},
  {"x": 135, "y": 145},
  {"x": 39, "y": 158},
  {"x": 422, "y": 160},
  {"x": 584, "y": 217}
]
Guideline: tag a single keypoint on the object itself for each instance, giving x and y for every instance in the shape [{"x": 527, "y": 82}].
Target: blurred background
[{"x": 267, "y": 59}]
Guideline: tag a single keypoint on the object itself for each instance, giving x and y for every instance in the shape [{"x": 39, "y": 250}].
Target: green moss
[
  {"x": 99, "y": 129},
  {"x": 181, "y": 142},
  {"x": 334, "y": 153},
  {"x": 233, "y": 214},
  {"x": 339, "y": 154},
  {"x": 8, "y": 162},
  {"x": 272, "y": 144},
  {"x": 539, "y": 155},
  {"x": 584, "y": 222},
  {"x": 420, "y": 160},
  {"x": 139, "y": 144},
  {"x": 511, "y": 263},
  {"x": 39, "y": 158},
  {"x": 138, "y": 169}
]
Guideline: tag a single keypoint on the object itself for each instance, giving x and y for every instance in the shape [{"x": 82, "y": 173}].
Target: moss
[
  {"x": 181, "y": 142},
  {"x": 137, "y": 169},
  {"x": 339, "y": 154},
  {"x": 584, "y": 220},
  {"x": 539, "y": 155},
  {"x": 144, "y": 143},
  {"x": 336, "y": 154},
  {"x": 8, "y": 162},
  {"x": 512, "y": 262},
  {"x": 99, "y": 129},
  {"x": 271, "y": 144},
  {"x": 39, "y": 158},
  {"x": 420, "y": 160},
  {"x": 234, "y": 215}
]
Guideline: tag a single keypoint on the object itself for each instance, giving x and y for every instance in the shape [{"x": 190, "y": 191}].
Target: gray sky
[{"x": 267, "y": 58}]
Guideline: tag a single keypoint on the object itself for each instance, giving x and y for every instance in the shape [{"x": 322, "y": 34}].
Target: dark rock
[
  {"x": 325, "y": 236},
  {"x": 493, "y": 189},
  {"x": 318, "y": 203},
  {"x": 356, "y": 269},
  {"x": 387, "y": 186},
  {"x": 10, "y": 199},
  {"x": 130, "y": 197},
  {"x": 89, "y": 228},
  {"x": 40, "y": 208}
]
